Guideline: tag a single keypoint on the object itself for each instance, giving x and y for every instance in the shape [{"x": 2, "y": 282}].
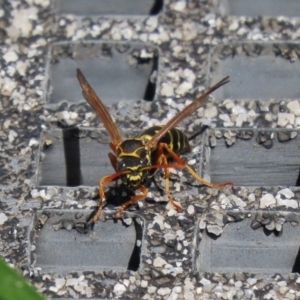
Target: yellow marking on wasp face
[
  {"x": 128, "y": 154},
  {"x": 133, "y": 168},
  {"x": 134, "y": 177}
]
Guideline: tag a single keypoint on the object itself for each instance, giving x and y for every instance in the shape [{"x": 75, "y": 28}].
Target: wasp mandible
[{"x": 136, "y": 159}]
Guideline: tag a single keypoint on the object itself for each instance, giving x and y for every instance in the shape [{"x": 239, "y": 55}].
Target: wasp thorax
[{"x": 134, "y": 157}]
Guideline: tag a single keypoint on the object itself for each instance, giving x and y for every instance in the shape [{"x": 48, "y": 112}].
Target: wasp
[{"x": 135, "y": 160}]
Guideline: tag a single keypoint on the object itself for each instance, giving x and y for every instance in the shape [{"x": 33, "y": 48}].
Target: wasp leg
[
  {"x": 113, "y": 161},
  {"x": 103, "y": 181},
  {"x": 177, "y": 159},
  {"x": 161, "y": 158},
  {"x": 133, "y": 199}
]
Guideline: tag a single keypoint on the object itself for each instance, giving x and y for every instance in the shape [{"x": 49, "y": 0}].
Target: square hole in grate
[
  {"x": 73, "y": 157},
  {"x": 111, "y": 245},
  {"x": 256, "y": 8},
  {"x": 257, "y": 71},
  {"x": 251, "y": 243},
  {"x": 116, "y": 71},
  {"x": 90, "y": 8},
  {"x": 252, "y": 157}
]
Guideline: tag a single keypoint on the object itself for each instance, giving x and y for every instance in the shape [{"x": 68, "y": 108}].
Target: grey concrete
[
  {"x": 78, "y": 161},
  {"x": 115, "y": 76},
  {"x": 242, "y": 249},
  {"x": 110, "y": 247},
  {"x": 255, "y": 8},
  {"x": 263, "y": 77},
  {"x": 108, "y": 7},
  {"x": 247, "y": 163}
]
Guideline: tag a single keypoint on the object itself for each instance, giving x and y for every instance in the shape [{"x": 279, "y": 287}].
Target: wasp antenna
[{"x": 220, "y": 83}]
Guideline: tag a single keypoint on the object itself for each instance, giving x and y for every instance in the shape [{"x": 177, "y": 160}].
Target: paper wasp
[{"x": 136, "y": 159}]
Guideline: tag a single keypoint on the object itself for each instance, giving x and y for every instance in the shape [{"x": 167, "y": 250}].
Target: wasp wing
[
  {"x": 99, "y": 108},
  {"x": 197, "y": 103}
]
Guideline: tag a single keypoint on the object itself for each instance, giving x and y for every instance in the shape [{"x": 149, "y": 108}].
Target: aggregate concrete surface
[{"x": 147, "y": 61}]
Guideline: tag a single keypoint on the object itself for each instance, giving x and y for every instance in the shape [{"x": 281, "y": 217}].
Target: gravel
[{"x": 184, "y": 34}]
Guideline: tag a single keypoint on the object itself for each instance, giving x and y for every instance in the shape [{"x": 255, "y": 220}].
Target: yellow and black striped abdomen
[{"x": 174, "y": 138}]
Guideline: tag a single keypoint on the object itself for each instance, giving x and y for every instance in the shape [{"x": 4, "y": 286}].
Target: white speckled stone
[
  {"x": 189, "y": 31},
  {"x": 144, "y": 283},
  {"x": 164, "y": 291},
  {"x": 179, "y": 6},
  {"x": 285, "y": 119},
  {"x": 287, "y": 193},
  {"x": 226, "y": 119},
  {"x": 167, "y": 90},
  {"x": 191, "y": 209},
  {"x": 288, "y": 203},
  {"x": 267, "y": 200},
  {"x": 215, "y": 229},
  {"x": 11, "y": 135},
  {"x": 3, "y": 218},
  {"x": 205, "y": 281},
  {"x": 233, "y": 26},
  {"x": 119, "y": 289},
  {"x": 184, "y": 87},
  {"x": 60, "y": 282},
  {"x": 180, "y": 234},
  {"x": 211, "y": 112},
  {"x": 251, "y": 281},
  {"x": 159, "y": 262},
  {"x": 159, "y": 220},
  {"x": 151, "y": 289},
  {"x": 72, "y": 281},
  {"x": 202, "y": 224},
  {"x": 294, "y": 107},
  {"x": 238, "y": 201},
  {"x": 251, "y": 197}
]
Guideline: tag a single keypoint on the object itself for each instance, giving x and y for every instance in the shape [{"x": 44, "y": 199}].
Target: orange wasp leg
[
  {"x": 181, "y": 162},
  {"x": 103, "y": 181},
  {"x": 113, "y": 161},
  {"x": 161, "y": 158},
  {"x": 132, "y": 200}
]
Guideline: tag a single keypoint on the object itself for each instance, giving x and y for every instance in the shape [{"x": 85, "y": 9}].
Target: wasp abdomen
[{"x": 174, "y": 138}]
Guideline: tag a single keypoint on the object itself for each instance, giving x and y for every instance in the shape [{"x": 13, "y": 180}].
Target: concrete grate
[
  {"x": 108, "y": 7},
  {"x": 256, "y": 8},
  {"x": 59, "y": 247},
  {"x": 117, "y": 71},
  {"x": 73, "y": 157},
  {"x": 250, "y": 157},
  {"x": 257, "y": 71},
  {"x": 241, "y": 247}
]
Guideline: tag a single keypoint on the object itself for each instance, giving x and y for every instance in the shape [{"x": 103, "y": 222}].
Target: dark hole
[
  {"x": 151, "y": 86},
  {"x": 157, "y": 7},
  {"x": 134, "y": 261},
  {"x": 296, "y": 266},
  {"x": 72, "y": 156},
  {"x": 298, "y": 179}
]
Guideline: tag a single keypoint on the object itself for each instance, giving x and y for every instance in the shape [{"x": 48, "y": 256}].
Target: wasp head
[{"x": 133, "y": 157}]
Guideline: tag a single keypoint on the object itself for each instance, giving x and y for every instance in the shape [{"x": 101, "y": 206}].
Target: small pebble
[
  {"x": 267, "y": 200},
  {"x": 3, "y": 218}
]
